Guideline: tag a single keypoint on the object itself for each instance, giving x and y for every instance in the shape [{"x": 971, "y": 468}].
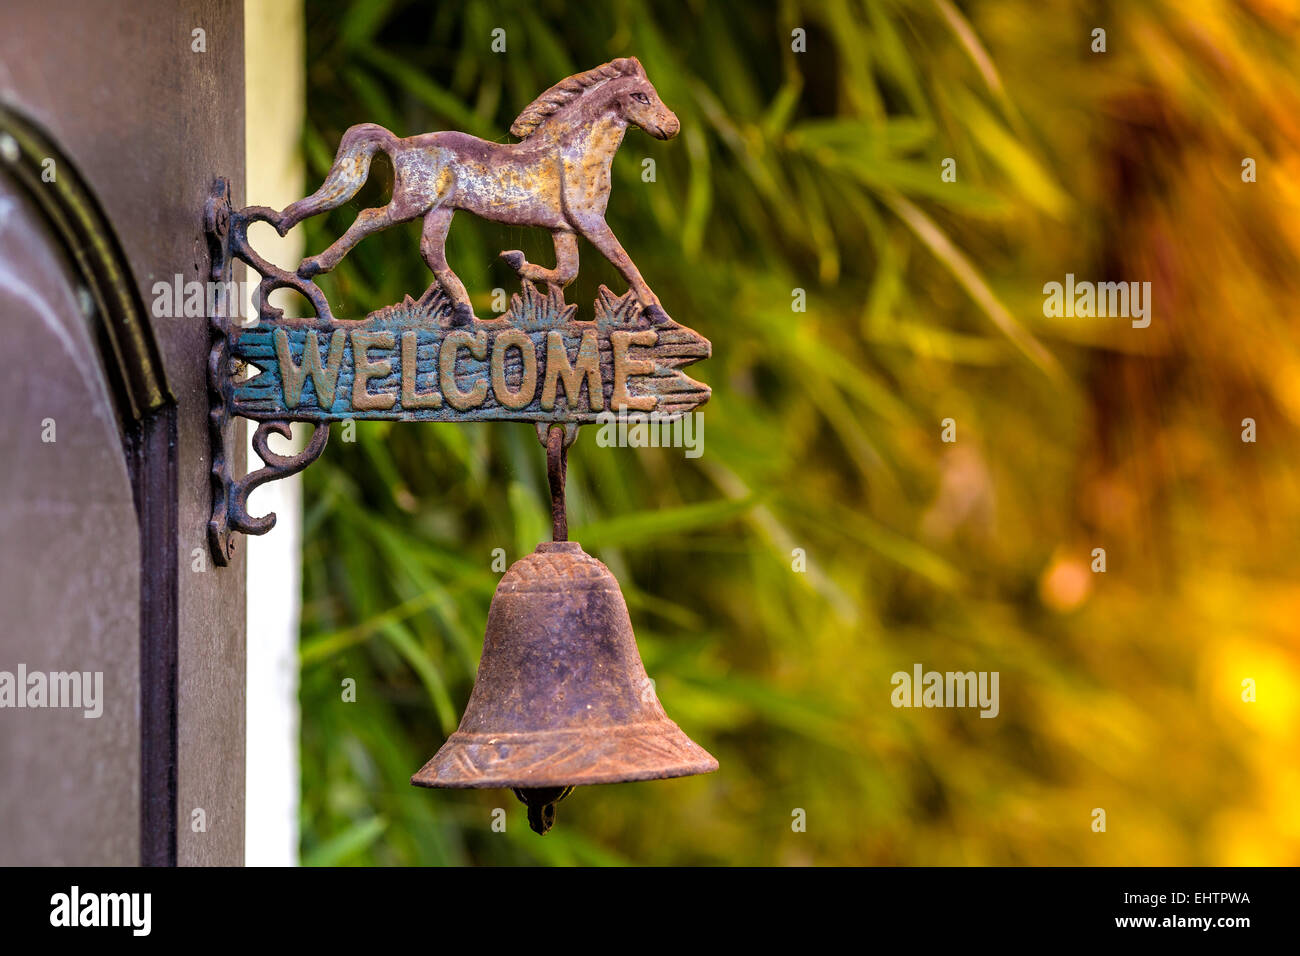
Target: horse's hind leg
[
  {"x": 433, "y": 246},
  {"x": 370, "y": 220},
  {"x": 566, "y": 261}
]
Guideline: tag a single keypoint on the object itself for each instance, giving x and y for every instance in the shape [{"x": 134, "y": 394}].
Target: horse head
[
  {"x": 620, "y": 87},
  {"x": 637, "y": 101}
]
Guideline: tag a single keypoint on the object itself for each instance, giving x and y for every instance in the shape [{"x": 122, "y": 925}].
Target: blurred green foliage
[{"x": 821, "y": 171}]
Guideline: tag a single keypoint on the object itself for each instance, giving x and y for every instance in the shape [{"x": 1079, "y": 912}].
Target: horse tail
[{"x": 346, "y": 176}]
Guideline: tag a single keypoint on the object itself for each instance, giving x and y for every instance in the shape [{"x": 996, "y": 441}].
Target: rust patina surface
[{"x": 557, "y": 177}]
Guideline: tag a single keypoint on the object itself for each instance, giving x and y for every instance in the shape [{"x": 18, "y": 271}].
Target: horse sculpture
[{"x": 557, "y": 177}]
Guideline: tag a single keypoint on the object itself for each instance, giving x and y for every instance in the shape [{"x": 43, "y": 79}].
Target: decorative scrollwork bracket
[{"x": 229, "y": 494}]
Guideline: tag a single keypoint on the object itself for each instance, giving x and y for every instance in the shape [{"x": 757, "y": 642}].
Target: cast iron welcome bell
[{"x": 561, "y": 698}]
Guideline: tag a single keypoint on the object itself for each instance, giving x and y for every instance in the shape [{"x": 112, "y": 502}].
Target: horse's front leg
[
  {"x": 566, "y": 261},
  {"x": 598, "y": 233}
]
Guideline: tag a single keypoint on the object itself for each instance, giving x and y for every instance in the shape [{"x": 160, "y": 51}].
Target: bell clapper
[{"x": 541, "y": 803}]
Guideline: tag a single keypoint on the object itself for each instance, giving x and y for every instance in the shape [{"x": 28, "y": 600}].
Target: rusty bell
[{"x": 561, "y": 698}]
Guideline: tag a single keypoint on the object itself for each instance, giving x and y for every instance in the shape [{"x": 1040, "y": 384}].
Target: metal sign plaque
[{"x": 538, "y": 363}]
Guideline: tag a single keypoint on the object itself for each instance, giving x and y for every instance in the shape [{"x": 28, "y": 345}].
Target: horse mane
[{"x": 567, "y": 90}]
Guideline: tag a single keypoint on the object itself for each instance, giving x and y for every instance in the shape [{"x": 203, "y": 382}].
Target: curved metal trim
[{"x": 132, "y": 359}]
